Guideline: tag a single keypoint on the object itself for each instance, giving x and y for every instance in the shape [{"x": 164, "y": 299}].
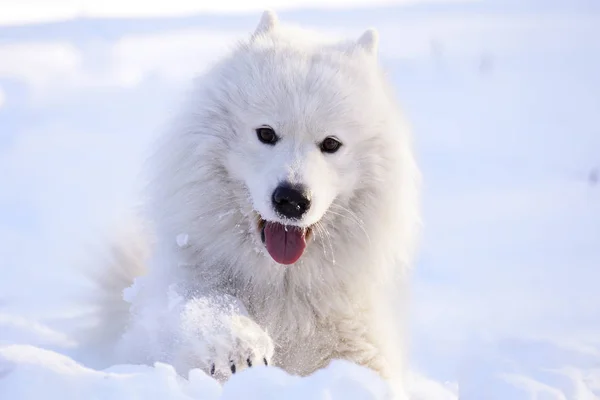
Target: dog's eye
[
  {"x": 330, "y": 145},
  {"x": 267, "y": 135}
]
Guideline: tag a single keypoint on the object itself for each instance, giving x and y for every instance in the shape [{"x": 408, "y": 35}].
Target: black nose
[{"x": 291, "y": 201}]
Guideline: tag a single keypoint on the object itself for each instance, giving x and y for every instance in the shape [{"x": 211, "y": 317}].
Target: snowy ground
[{"x": 504, "y": 97}]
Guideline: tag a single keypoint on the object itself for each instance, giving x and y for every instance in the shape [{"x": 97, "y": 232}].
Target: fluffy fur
[{"x": 215, "y": 299}]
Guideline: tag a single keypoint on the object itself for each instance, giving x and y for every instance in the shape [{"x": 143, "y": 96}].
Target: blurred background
[{"x": 504, "y": 100}]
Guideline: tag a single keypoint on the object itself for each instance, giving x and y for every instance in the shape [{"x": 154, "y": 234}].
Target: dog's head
[{"x": 306, "y": 131}]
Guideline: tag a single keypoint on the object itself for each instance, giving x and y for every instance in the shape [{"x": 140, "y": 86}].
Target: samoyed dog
[{"x": 281, "y": 217}]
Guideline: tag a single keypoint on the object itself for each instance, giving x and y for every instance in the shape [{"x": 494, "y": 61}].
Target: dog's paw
[
  {"x": 222, "y": 342},
  {"x": 245, "y": 345}
]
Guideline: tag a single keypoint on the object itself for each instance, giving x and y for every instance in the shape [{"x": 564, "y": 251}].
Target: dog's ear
[
  {"x": 267, "y": 23},
  {"x": 369, "y": 41}
]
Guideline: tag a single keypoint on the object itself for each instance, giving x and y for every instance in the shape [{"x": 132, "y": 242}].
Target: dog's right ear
[
  {"x": 267, "y": 23},
  {"x": 369, "y": 41}
]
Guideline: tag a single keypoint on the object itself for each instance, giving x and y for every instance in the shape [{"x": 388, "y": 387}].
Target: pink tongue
[{"x": 284, "y": 243}]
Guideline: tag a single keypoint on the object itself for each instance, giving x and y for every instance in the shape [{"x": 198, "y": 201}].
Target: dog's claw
[
  {"x": 212, "y": 369},
  {"x": 249, "y": 362},
  {"x": 265, "y": 360},
  {"x": 233, "y": 368}
]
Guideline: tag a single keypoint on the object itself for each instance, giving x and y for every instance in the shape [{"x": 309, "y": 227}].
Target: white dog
[{"x": 284, "y": 213}]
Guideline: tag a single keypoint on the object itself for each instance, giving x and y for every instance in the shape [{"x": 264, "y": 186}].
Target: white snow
[
  {"x": 33, "y": 372},
  {"x": 30, "y": 372},
  {"x": 31, "y": 11},
  {"x": 503, "y": 97},
  {"x": 182, "y": 239}
]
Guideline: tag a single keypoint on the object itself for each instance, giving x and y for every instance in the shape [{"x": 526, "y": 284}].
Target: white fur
[{"x": 221, "y": 298}]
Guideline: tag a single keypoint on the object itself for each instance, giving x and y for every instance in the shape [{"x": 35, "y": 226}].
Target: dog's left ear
[
  {"x": 369, "y": 41},
  {"x": 267, "y": 23}
]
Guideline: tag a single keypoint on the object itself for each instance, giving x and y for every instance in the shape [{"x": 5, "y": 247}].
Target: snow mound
[
  {"x": 34, "y": 364},
  {"x": 29, "y": 372},
  {"x": 37, "y": 362}
]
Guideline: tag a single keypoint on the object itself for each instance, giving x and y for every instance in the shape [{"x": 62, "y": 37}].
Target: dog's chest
[
  {"x": 304, "y": 331},
  {"x": 304, "y": 355}
]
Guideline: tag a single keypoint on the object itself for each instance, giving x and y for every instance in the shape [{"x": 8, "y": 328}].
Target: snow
[
  {"x": 503, "y": 97},
  {"x": 14, "y": 13},
  {"x": 182, "y": 239},
  {"x": 31, "y": 371}
]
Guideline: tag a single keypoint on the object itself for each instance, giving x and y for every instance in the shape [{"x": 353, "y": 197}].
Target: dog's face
[
  {"x": 299, "y": 119},
  {"x": 293, "y": 175},
  {"x": 293, "y": 171}
]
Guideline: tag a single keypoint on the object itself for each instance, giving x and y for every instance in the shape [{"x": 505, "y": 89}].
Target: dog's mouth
[{"x": 285, "y": 243}]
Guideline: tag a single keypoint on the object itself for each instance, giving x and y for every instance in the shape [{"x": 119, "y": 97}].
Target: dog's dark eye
[
  {"x": 330, "y": 145},
  {"x": 267, "y": 135}
]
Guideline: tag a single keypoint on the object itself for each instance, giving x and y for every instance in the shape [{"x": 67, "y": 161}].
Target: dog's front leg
[
  {"x": 355, "y": 343},
  {"x": 218, "y": 336}
]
